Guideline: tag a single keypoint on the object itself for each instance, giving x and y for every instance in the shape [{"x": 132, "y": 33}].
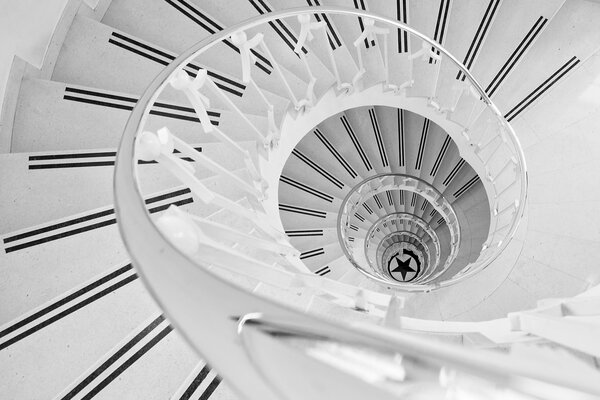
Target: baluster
[
  {"x": 306, "y": 28},
  {"x": 369, "y": 33},
  {"x": 191, "y": 88},
  {"x": 241, "y": 40},
  {"x": 309, "y": 98},
  {"x": 273, "y": 132},
  {"x": 258, "y": 190},
  {"x": 151, "y": 147},
  {"x": 270, "y": 141},
  {"x": 426, "y": 52},
  {"x": 182, "y": 81}
]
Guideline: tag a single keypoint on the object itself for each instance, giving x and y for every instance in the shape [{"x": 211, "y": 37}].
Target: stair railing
[{"x": 195, "y": 298}]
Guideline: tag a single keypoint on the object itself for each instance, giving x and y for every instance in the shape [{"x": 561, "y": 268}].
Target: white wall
[{"x": 26, "y": 27}]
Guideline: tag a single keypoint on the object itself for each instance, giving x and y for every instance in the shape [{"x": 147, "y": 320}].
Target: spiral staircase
[{"x": 364, "y": 199}]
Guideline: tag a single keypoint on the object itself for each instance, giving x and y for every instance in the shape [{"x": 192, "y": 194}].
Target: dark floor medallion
[{"x": 404, "y": 266}]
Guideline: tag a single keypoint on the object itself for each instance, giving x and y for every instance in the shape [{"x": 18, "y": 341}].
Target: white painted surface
[{"x": 26, "y": 27}]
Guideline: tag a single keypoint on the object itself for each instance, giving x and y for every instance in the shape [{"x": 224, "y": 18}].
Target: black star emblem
[{"x": 403, "y": 267}]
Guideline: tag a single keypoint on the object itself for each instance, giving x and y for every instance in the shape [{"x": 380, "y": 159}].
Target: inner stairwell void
[{"x": 284, "y": 199}]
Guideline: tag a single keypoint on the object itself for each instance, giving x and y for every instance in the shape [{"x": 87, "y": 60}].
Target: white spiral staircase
[{"x": 289, "y": 161}]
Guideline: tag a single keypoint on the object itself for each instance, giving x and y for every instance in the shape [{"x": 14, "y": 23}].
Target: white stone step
[
  {"x": 73, "y": 335},
  {"x": 511, "y": 36},
  {"x": 392, "y": 125},
  {"x": 76, "y": 248},
  {"x": 320, "y": 255},
  {"x": 557, "y": 51},
  {"x": 307, "y": 238},
  {"x": 177, "y": 25},
  {"x": 203, "y": 382},
  {"x": 300, "y": 191},
  {"x": 430, "y": 17},
  {"x": 279, "y": 37},
  {"x": 448, "y": 166},
  {"x": 416, "y": 130},
  {"x": 317, "y": 153},
  {"x": 344, "y": 138},
  {"x": 78, "y": 117},
  {"x": 463, "y": 181},
  {"x": 152, "y": 361},
  {"x": 51, "y": 185},
  {"x": 97, "y": 55},
  {"x": 301, "y": 217},
  {"x": 368, "y": 128},
  {"x": 436, "y": 145}
]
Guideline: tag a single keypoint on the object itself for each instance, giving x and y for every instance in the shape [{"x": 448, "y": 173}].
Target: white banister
[{"x": 240, "y": 39}]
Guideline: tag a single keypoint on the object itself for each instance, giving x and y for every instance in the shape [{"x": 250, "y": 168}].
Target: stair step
[
  {"x": 557, "y": 51},
  {"x": 430, "y": 17},
  {"x": 320, "y": 254},
  {"x": 52, "y": 185},
  {"x": 367, "y": 126},
  {"x": 77, "y": 248},
  {"x": 198, "y": 23},
  {"x": 468, "y": 24},
  {"x": 78, "y": 117},
  {"x": 97, "y": 55},
  {"x": 74, "y": 341},
  {"x": 398, "y": 41},
  {"x": 152, "y": 362},
  {"x": 344, "y": 139},
  {"x": 510, "y": 37}
]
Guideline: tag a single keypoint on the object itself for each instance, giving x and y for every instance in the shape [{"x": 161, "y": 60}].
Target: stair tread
[
  {"x": 81, "y": 117},
  {"x": 96, "y": 55},
  {"x": 58, "y": 184}
]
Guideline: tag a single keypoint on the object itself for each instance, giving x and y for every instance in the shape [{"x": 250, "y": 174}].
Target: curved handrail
[
  {"x": 191, "y": 53},
  {"x": 152, "y": 253}
]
